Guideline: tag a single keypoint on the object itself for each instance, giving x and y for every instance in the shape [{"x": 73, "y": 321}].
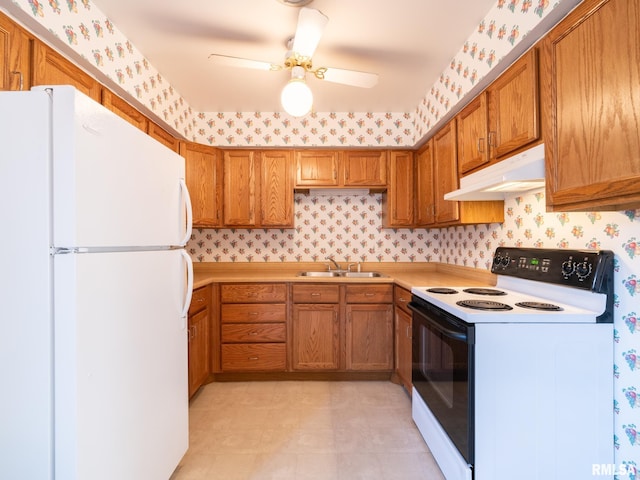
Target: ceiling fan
[{"x": 296, "y": 96}]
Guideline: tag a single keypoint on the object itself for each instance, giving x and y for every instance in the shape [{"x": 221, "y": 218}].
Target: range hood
[{"x": 524, "y": 171}]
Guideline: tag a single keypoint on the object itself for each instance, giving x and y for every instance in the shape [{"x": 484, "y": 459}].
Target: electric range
[{"x": 515, "y": 380}]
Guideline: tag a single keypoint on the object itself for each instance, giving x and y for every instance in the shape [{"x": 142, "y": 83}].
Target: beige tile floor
[{"x": 304, "y": 430}]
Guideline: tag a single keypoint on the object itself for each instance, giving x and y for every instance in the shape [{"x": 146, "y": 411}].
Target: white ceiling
[{"x": 407, "y": 42}]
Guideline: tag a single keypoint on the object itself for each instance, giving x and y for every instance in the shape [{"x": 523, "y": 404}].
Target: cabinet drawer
[
  {"x": 253, "y": 312},
  {"x": 316, "y": 293},
  {"x": 253, "y": 356},
  {"x": 402, "y": 297},
  {"x": 253, "y": 292},
  {"x": 367, "y": 293},
  {"x": 200, "y": 299},
  {"x": 253, "y": 332}
]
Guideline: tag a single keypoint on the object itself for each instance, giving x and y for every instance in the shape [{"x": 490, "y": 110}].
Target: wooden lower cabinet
[
  {"x": 315, "y": 342},
  {"x": 253, "y": 327},
  {"x": 369, "y": 337},
  {"x": 315, "y": 327},
  {"x": 306, "y": 328},
  {"x": 369, "y": 327},
  {"x": 354, "y": 334},
  {"x": 403, "y": 337},
  {"x": 259, "y": 357},
  {"x": 199, "y": 339}
]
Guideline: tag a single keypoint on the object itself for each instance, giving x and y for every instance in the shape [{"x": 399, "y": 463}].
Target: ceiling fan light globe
[{"x": 296, "y": 98}]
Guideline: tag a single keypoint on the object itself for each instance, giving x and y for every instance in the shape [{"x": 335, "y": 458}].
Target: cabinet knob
[{"x": 254, "y": 358}]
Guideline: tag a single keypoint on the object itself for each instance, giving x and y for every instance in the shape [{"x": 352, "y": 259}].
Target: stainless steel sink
[
  {"x": 319, "y": 274},
  {"x": 363, "y": 274},
  {"x": 343, "y": 274}
]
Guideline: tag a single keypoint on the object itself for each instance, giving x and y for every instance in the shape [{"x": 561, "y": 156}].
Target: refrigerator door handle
[
  {"x": 186, "y": 198},
  {"x": 189, "y": 290}
]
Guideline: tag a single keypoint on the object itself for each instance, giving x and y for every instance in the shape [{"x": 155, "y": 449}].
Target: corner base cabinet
[{"x": 199, "y": 339}]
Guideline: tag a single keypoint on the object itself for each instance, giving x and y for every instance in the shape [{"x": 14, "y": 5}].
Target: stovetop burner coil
[
  {"x": 443, "y": 290},
  {"x": 483, "y": 305},
  {"x": 484, "y": 291},
  {"x": 540, "y": 306}
]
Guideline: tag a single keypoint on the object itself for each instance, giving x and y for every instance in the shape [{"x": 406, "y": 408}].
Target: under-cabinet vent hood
[
  {"x": 336, "y": 192},
  {"x": 524, "y": 171}
]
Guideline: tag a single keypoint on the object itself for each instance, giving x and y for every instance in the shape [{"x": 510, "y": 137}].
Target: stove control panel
[{"x": 586, "y": 269}]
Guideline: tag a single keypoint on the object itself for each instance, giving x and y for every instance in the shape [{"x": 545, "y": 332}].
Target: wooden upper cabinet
[
  {"x": 51, "y": 68},
  {"x": 398, "y": 200},
  {"x": 514, "y": 103},
  {"x": 15, "y": 56},
  {"x": 239, "y": 186},
  {"x": 276, "y": 188},
  {"x": 425, "y": 198},
  {"x": 316, "y": 168},
  {"x": 473, "y": 149},
  {"x": 163, "y": 136},
  {"x": 364, "y": 168},
  {"x": 592, "y": 123},
  {"x": 445, "y": 169},
  {"x": 202, "y": 165},
  {"x": 123, "y": 109}
]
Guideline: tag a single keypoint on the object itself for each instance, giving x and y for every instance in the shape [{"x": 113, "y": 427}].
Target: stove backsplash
[{"x": 349, "y": 228}]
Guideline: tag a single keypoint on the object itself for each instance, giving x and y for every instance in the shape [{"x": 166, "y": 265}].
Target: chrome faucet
[{"x": 334, "y": 262}]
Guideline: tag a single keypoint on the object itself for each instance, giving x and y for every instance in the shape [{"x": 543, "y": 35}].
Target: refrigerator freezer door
[
  {"x": 120, "y": 394},
  {"x": 113, "y": 185}
]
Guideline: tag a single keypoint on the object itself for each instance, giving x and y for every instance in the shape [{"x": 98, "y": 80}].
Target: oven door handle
[{"x": 456, "y": 335}]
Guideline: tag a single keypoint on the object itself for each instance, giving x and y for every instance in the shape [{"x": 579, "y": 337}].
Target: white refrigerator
[{"x": 94, "y": 290}]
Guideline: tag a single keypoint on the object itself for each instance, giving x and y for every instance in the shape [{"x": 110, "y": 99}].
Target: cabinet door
[
  {"x": 514, "y": 106},
  {"x": 397, "y": 201},
  {"x": 316, "y": 168},
  {"x": 592, "y": 140},
  {"x": 276, "y": 189},
  {"x": 15, "y": 56},
  {"x": 239, "y": 188},
  {"x": 425, "y": 197},
  {"x": 369, "y": 337},
  {"x": 120, "y": 107},
  {"x": 315, "y": 341},
  {"x": 473, "y": 151},
  {"x": 51, "y": 68},
  {"x": 445, "y": 173},
  {"x": 403, "y": 347},
  {"x": 202, "y": 166},
  {"x": 163, "y": 136},
  {"x": 364, "y": 169},
  {"x": 198, "y": 350}
]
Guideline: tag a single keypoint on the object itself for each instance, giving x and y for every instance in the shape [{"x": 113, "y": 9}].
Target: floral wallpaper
[
  {"x": 79, "y": 25},
  {"x": 350, "y": 228}
]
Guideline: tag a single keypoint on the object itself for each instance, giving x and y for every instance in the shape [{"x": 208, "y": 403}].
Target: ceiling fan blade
[
  {"x": 311, "y": 24},
  {"x": 348, "y": 77},
  {"x": 228, "y": 61}
]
